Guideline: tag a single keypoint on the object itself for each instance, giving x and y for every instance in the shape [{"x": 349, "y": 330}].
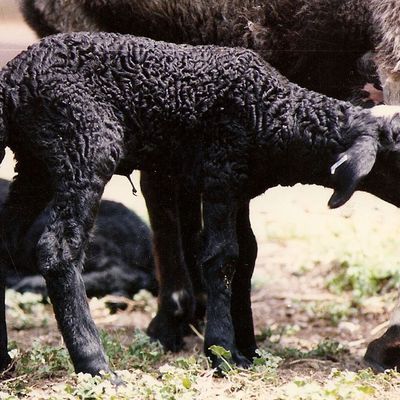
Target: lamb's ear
[{"x": 350, "y": 167}]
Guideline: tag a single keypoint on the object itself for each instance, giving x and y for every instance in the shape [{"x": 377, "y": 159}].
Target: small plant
[
  {"x": 141, "y": 353},
  {"x": 44, "y": 361},
  {"x": 275, "y": 332},
  {"x": 365, "y": 276},
  {"x": 266, "y": 364},
  {"x": 326, "y": 349},
  {"x": 225, "y": 356}
]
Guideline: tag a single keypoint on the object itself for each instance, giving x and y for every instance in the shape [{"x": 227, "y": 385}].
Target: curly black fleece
[
  {"x": 75, "y": 109},
  {"x": 119, "y": 259},
  {"x": 138, "y": 89}
]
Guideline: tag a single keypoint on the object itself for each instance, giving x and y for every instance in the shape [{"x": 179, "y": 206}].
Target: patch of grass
[
  {"x": 187, "y": 378},
  {"x": 342, "y": 385},
  {"x": 327, "y": 349},
  {"x": 44, "y": 361},
  {"x": 141, "y": 353},
  {"x": 331, "y": 311},
  {"x": 360, "y": 248},
  {"x": 275, "y": 332},
  {"x": 40, "y": 363},
  {"x": 365, "y": 274}
]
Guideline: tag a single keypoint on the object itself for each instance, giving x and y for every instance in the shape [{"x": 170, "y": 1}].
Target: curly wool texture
[
  {"x": 209, "y": 110},
  {"x": 314, "y": 43}
]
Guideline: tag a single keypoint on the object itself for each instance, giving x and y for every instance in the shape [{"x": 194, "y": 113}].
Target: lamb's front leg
[
  {"x": 241, "y": 286},
  {"x": 219, "y": 259}
]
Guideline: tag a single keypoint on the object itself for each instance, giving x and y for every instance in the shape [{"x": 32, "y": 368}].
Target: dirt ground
[{"x": 287, "y": 278}]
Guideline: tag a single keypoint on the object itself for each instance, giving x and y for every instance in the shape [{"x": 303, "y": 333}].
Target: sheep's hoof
[
  {"x": 241, "y": 361},
  {"x": 93, "y": 367},
  {"x": 169, "y": 332},
  {"x": 384, "y": 353},
  {"x": 221, "y": 365}
]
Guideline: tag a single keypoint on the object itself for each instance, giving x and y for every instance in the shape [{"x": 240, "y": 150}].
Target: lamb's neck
[{"x": 303, "y": 134}]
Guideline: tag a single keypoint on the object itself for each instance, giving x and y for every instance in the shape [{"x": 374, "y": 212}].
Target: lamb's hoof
[
  {"x": 241, "y": 361},
  {"x": 167, "y": 331},
  {"x": 93, "y": 367},
  {"x": 222, "y": 366},
  {"x": 249, "y": 352},
  {"x": 384, "y": 353}
]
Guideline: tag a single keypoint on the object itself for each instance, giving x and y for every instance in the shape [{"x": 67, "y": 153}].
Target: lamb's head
[{"x": 372, "y": 161}]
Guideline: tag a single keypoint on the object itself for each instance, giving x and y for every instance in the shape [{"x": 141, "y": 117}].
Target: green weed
[{"x": 141, "y": 353}]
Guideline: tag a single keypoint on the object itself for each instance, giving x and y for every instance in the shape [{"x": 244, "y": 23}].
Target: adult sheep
[
  {"x": 99, "y": 104},
  {"x": 315, "y": 43}
]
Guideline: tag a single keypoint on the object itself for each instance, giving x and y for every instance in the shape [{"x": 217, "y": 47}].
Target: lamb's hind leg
[
  {"x": 80, "y": 166},
  {"x": 60, "y": 254}
]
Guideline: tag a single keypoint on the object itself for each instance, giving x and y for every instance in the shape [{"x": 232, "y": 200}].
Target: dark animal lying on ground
[
  {"x": 221, "y": 118},
  {"x": 316, "y": 43},
  {"x": 119, "y": 259}
]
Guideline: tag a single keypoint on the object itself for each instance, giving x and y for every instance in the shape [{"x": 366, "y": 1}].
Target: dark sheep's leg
[
  {"x": 384, "y": 353},
  {"x": 175, "y": 296},
  {"x": 80, "y": 167},
  {"x": 189, "y": 205},
  {"x": 219, "y": 260},
  {"x": 60, "y": 256},
  {"x": 241, "y": 285}
]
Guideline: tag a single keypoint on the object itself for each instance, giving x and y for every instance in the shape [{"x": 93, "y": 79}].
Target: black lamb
[
  {"x": 316, "y": 43},
  {"x": 75, "y": 109},
  {"x": 119, "y": 259}
]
